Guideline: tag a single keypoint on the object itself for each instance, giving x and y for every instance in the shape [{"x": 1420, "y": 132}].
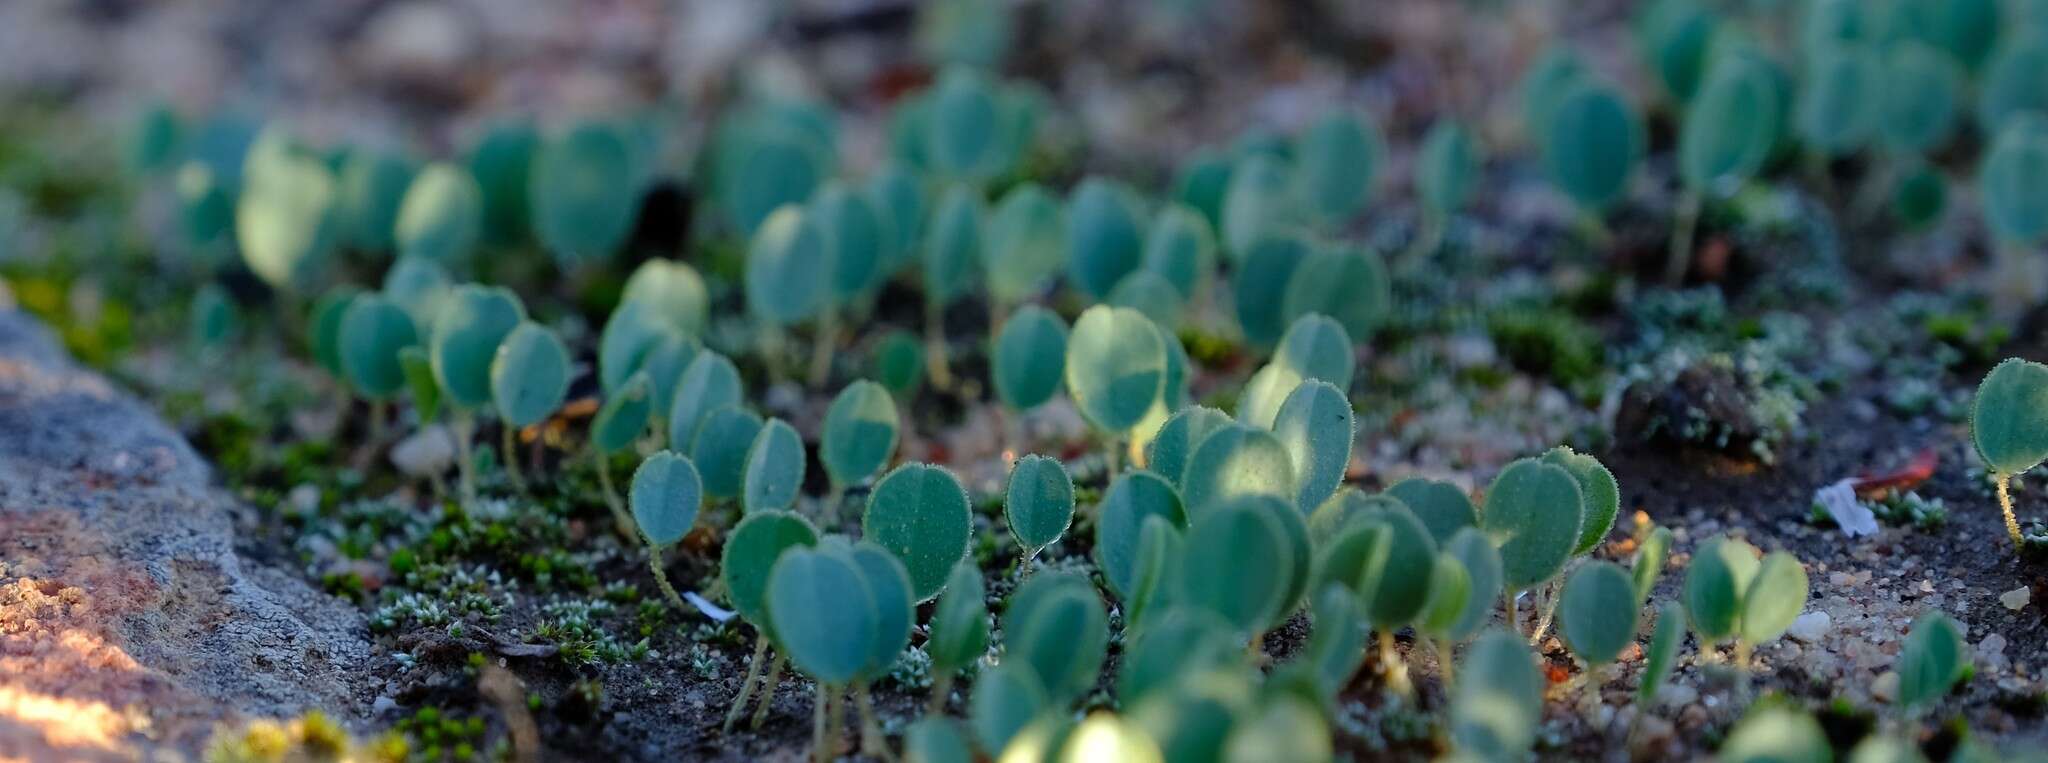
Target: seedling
[
  {"x": 1173, "y": 396},
  {"x": 1115, "y": 369},
  {"x": 1261, "y": 202},
  {"x": 673, "y": 291},
  {"x": 859, "y": 240},
  {"x": 529, "y": 380},
  {"x": 1006, "y": 699},
  {"x": 1649, "y": 564},
  {"x": 1026, "y": 246},
  {"x": 720, "y": 449},
  {"x": 1729, "y": 130},
  {"x": 373, "y": 184},
  {"x": 1533, "y": 510},
  {"x": 1599, "y": 495},
  {"x": 951, "y": 252},
  {"x": 2014, "y": 194},
  {"x": 920, "y": 513},
  {"x": 1675, "y": 36},
  {"x": 583, "y": 190},
  {"x": 1029, "y": 358},
  {"x": 442, "y": 215},
  {"x": 1443, "y": 507},
  {"x": 372, "y": 333},
  {"x": 1186, "y": 641},
  {"x": 286, "y": 219},
  {"x": 789, "y": 266},
  {"x": 631, "y": 332},
  {"x": 473, "y": 322},
  {"x": 1591, "y": 140},
  {"x": 709, "y": 383},
  {"x": 1446, "y": 174},
  {"x": 1248, "y": 560},
  {"x": 1348, "y": 283},
  {"x": 1104, "y": 236},
  {"x": 618, "y": 423},
  {"x": 1132, "y": 497},
  {"x": 1259, "y": 287},
  {"x": 420, "y": 287},
  {"x": 1919, "y": 98},
  {"x": 1776, "y": 733},
  {"x": 1662, "y": 653},
  {"x": 1931, "y": 662},
  {"x": 1315, "y": 426},
  {"x": 768, "y": 155},
  {"x": 1235, "y": 461},
  {"x": 1729, "y": 593},
  {"x": 828, "y": 620},
  {"x": 898, "y": 362},
  {"x": 501, "y": 160},
  {"x": 1056, "y": 627},
  {"x": 1461, "y": 602},
  {"x": 1544, "y": 85},
  {"x": 2009, "y": 426},
  {"x": 963, "y": 127},
  {"x": 665, "y": 361},
  {"x": 775, "y": 468},
  {"x": 2016, "y": 81},
  {"x": 1181, "y": 248},
  {"x": 665, "y": 495},
  {"x": 1039, "y": 504},
  {"x": 323, "y": 335},
  {"x": 750, "y": 553},
  {"x": 1149, "y": 293},
  {"x": 1337, "y": 161},
  {"x": 1498, "y": 698},
  {"x": 1156, "y": 581},
  {"x": 899, "y": 199},
  {"x": 1168, "y": 452},
  {"x": 959, "y": 630},
  {"x": 890, "y": 585},
  {"x": 1391, "y": 574},
  {"x": 1597, "y": 612},
  {"x": 1841, "y": 106},
  {"x": 859, "y": 437}
]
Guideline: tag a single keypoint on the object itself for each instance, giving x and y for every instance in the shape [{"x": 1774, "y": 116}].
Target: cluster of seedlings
[{"x": 1211, "y": 527}]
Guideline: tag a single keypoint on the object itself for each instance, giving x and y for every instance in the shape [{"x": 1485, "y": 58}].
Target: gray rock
[{"x": 129, "y": 623}]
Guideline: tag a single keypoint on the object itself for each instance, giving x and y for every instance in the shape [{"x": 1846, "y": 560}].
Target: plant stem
[
  {"x": 942, "y": 691},
  {"x": 818, "y": 752},
  {"x": 872, "y": 743},
  {"x": 835, "y": 719},
  {"x": 379, "y": 409},
  {"x": 611, "y": 498},
  {"x": 1682, "y": 230},
  {"x": 1390, "y": 661},
  {"x": 1110, "y": 453},
  {"x": 1550, "y": 598},
  {"x": 935, "y": 345},
  {"x": 465, "y": 462},
  {"x": 1443, "y": 658},
  {"x": 661, "y": 577},
  {"x": 834, "y": 496},
  {"x": 768, "y": 690},
  {"x": 509, "y": 443},
  {"x": 2012, "y": 524},
  {"x": 1514, "y": 624},
  {"x": 739, "y": 703},
  {"x": 825, "y": 340}
]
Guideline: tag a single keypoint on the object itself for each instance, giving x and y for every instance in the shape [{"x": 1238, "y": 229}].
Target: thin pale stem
[
  {"x": 2012, "y": 523},
  {"x": 509, "y": 445},
  {"x": 1111, "y": 450},
  {"x": 1443, "y": 658},
  {"x": 823, "y": 344},
  {"x": 818, "y": 751},
  {"x": 872, "y": 742},
  {"x": 834, "y": 496},
  {"x": 465, "y": 461},
  {"x": 768, "y": 690},
  {"x": 1550, "y": 598},
  {"x": 1514, "y": 623},
  {"x": 739, "y": 703},
  {"x": 661, "y": 577},
  {"x": 835, "y": 721},
  {"x": 942, "y": 692},
  {"x": 1391, "y": 662},
  {"x": 612, "y": 500},
  {"x": 1682, "y": 231},
  {"x": 379, "y": 410},
  {"x": 936, "y": 364}
]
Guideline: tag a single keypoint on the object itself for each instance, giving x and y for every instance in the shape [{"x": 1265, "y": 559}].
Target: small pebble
[
  {"x": 1886, "y": 687},
  {"x": 424, "y": 453},
  {"x": 1810, "y": 627},
  {"x": 2016, "y": 599}
]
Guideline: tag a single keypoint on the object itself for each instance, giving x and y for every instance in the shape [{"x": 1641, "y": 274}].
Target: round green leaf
[
  {"x": 1773, "y": 598},
  {"x": 1236, "y": 461},
  {"x": 775, "y": 468},
  {"x": 1156, "y": 571},
  {"x": 1336, "y": 644},
  {"x": 1029, "y": 358},
  {"x": 287, "y": 219},
  {"x": 1919, "y": 98},
  {"x": 1919, "y": 197},
  {"x": 1443, "y": 507},
  {"x": 1447, "y": 168},
  {"x": 1180, "y": 248},
  {"x": 1498, "y": 699},
  {"x": 1776, "y": 733},
  {"x": 959, "y": 625},
  {"x": 2016, "y": 81},
  {"x": 1132, "y": 497},
  {"x": 1239, "y": 562},
  {"x": 1393, "y": 582},
  {"x": 583, "y": 191},
  {"x": 709, "y": 383},
  {"x": 1039, "y": 503},
  {"x": 1842, "y": 102},
  {"x": 860, "y": 433},
  {"x": 1544, "y": 86},
  {"x": 898, "y": 362},
  {"x": 1591, "y": 141},
  {"x": 1262, "y": 202},
  {"x": 1201, "y": 184},
  {"x": 1180, "y": 642},
  {"x": 789, "y": 267},
  {"x": 473, "y": 321},
  {"x": 858, "y": 237},
  {"x": 720, "y": 449},
  {"x": 1599, "y": 494},
  {"x": 372, "y": 333},
  {"x": 1481, "y": 562},
  {"x": 963, "y": 129},
  {"x": 952, "y": 245},
  {"x": 1167, "y": 454},
  {"x": 1715, "y": 582},
  {"x": 1731, "y": 128},
  {"x": 530, "y": 375},
  {"x": 1450, "y": 594},
  {"x": 1006, "y": 698},
  {"x": 1596, "y": 614},
  {"x": 1104, "y": 241},
  {"x": 920, "y": 513},
  {"x": 1314, "y": 425},
  {"x": 1115, "y": 367},
  {"x": 1663, "y": 651},
  {"x": 1533, "y": 510},
  {"x": 750, "y": 553},
  {"x": 372, "y": 186},
  {"x": 2009, "y": 417},
  {"x": 1261, "y": 285},
  {"x": 764, "y": 162},
  {"x": 824, "y": 614},
  {"x": 325, "y": 336},
  {"x": 936, "y": 739},
  {"x": 502, "y": 163},
  {"x": 2012, "y": 181},
  {"x": 665, "y": 496},
  {"x": 1026, "y": 245},
  {"x": 673, "y": 290},
  {"x": 420, "y": 287},
  {"x": 442, "y": 214},
  {"x": 889, "y": 584},
  {"x": 1932, "y": 660},
  {"x": 1347, "y": 283},
  {"x": 1649, "y": 564},
  {"x": 1338, "y": 157},
  {"x": 900, "y": 200},
  {"x": 1149, "y": 293},
  {"x": 1057, "y": 627}
]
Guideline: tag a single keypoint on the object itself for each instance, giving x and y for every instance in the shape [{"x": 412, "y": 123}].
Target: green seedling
[
  {"x": 1590, "y": 144},
  {"x": 1182, "y": 642},
  {"x": 1261, "y": 201},
  {"x": 1728, "y": 133},
  {"x": 1450, "y": 594},
  {"x": 828, "y": 620},
  {"x": 673, "y": 291},
  {"x": 709, "y": 383},
  {"x": 859, "y": 437},
  {"x": 1006, "y": 699},
  {"x": 1344, "y": 282},
  {"x": 1259, "y": 288},
  {"x": 1349, "y": 504},
  {"x": 1498, "y": 698},
  {"x": 1386, "y": 555},
  {"x": 213, "y": 322},
  {"x": 1115, "y": 368},
  {"x": 775, "y": 468},
  {"x": 1675, "y": 37},
  {"x": 665, "y": 495},
  {"x": 473, "y": 321},
  {"x": 964, "y": 127},
  {"x": 1315, "y": 426},
  {"x": 1597, "y": 612},
  {"x": 1881, "y": 748},
  {"x": 419, "y": 382},
  {"x": 1931, "y": 661},
  {"x": 1842, "y": 104},
  {"x": 1919, "y": 197},
  {"x": 1599, "y": 495},
  {"x": 1919, "y": 98},
  {"x": 1239, "y": 563},
  {"x": 1315, "y": 348},
  {"x": 1776, "y": 733},
  {"x": 1235, "y": 461},
  {"x": 420, "y": 287},
  {"x": 501, "y": 160},
  {"x": 789, "y": 264},
  {"x": 1026, "y": 246},
  {"x": 1446, "y": 174},
  {"x": 2012, "y": 186},
  {"x": 1336, "y": 645},
  {"x": 287, "y": 219},
  {"x": 2016, "y": 82},
  {"x": 1132, "y": 498},
  {"x": 1337, "y": 159},
  {"x": 899, "y": 198},
  {"x": 372, "y": 333},
  {"x": 896, "y": 616},
  {"x": 1105, "y": 238},
  {"x": 372, "y": 186},
  {"x": 2009, "y": 426},
  {"x": 1168, "y": 452},
  {"x": 952, "y": 250},
  {"x": 665, "y": 363},
  {"x": 630, "y": 333},
  {"x": 1038, "y": 504},
  {"x": 529, "y": 381},
  {"x": 1544, "y": 85},
  {"x": 936, "y": 739},
  {"x": 442, "y": 215},
  {"x": 323, "y": 335},
  {"x": 1149, "y": 293},
  {"x": 1534, "y": 511},
  {"x": 1173, "y": 396},
  {"x": 1443, "y": 507},
  {"x": 1649, "y": 563},
  {"x": 1155, "y": 582},
  {"x": 1662, "y": 653},
  {"x": 1282, "y": 727},
  {"x": 583, "y": 192},
  {"x": 898, "y": 362},
  {"x": 1028, "y": 361},
  {"x": 766, "y": 156},
  {"x": 153, "y": 142},
  {"x": 749, "y": 556},
  {"x": 920, "y": 513},
  {"x": 1056, "y": 626},
  {"x": 1730, "y": 594},
  {"x": 618, "y": 423},
  {"x": 1478, "y": 564},
  {"x": 1181, "y": 248},
  {"x": 720, "y": 449},
  {"x": 860, "y": 237},
  {"x": 959, "y": 630}
]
